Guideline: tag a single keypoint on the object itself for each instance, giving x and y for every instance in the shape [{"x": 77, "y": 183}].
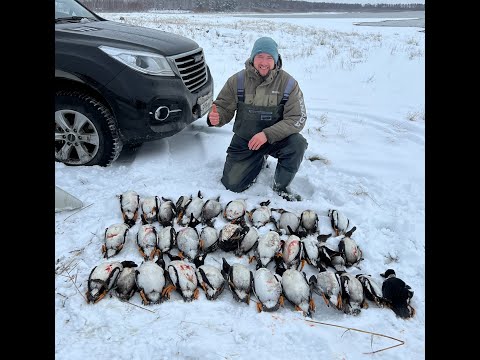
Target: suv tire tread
[{"x": 103, "y": 120}]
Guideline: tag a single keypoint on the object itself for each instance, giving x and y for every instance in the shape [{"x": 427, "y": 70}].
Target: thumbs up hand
[{"x": 214, "y": 116}]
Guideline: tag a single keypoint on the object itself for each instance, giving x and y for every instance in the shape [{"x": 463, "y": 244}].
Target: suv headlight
[{"x": 145, "y": 62}]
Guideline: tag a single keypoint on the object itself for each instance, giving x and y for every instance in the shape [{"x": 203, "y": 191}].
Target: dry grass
[
  {"x": 361, "y": 191},
  {"x": 416, "y": 115},
  {"x": 345, "y": 49},
  {"x": 389, "y": 258},
  {"x": 319, "y": 158}
]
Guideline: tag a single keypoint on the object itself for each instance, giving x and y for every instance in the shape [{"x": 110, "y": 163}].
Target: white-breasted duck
[
  {"x": 114, "y": 239},
  {"x": 167, "y": 239},
  {"x": 267, "y": 248},
  {"x": 235, "y": 211},
  {"x": 327, "y": 256},
  {"x": 267, "y": 288},
  {"x": 373, "y": 290},
  {"x": 339, "y": 221},
  {"x": 210, "y": 210},
  {"x": 192, "y": 209},
  {"x": 248, "y": 241},
  {"x": 397, "y": 295},
  {"x": 188, "y": 240},
  {"x": 126, "y": 285},
  {"x": 310, "y": 249},
  {"x": 327, "y": 285},
  {"x": 292, "y": 252},
  {"x": 287, "y": 219},
  {"x": 353, "y": 295},
  {"x": 149, "y": 207},
  {"x": 210, "y": 278},
  {"x": 309, "y": 221},
  {"x": 166, "y": 212},
  {"x": 184, "y": 278},
  {"x": 298, "y": 290},
  {"x": 101, "y": 280},
  {"x": 239, "y": 279},
  {"x": 231, "y": 236},
  {"x": 349, "y": 249},
  {"x": 151, "y": 278},
  {"x": 147, "y": 239},
  {"x": 129, "y": 203},
  {"x": 208, "y": 239},
  {"x": 260, "y": 216}
]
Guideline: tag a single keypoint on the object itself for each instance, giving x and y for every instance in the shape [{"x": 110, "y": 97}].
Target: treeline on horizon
[{"x": 239, "y": 5}]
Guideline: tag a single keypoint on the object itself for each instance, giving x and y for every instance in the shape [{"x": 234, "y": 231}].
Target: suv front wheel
[{"x": 85, "y": 131}]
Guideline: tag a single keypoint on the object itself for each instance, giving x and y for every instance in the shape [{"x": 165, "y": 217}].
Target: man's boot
[{"x": 282, "y": 179}]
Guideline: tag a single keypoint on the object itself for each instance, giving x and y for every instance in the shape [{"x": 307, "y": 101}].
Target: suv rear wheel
[{"x": 85, "y": 131}]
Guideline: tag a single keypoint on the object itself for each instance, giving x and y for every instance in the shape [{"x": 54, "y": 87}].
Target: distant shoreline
[{"x": 395, "y": 23}]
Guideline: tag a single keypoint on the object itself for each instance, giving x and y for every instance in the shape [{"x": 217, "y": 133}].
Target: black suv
[{"x": 120, "y": 85}]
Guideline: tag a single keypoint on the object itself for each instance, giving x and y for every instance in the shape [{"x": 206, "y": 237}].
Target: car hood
[{"x": 128, "y": 36}]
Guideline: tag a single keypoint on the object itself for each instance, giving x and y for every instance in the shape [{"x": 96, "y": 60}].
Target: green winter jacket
[{"x": 268, "y": 92}]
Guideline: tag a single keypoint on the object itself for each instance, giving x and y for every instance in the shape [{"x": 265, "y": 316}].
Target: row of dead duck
[
  {"x": 235, "y": 235},
  {"x": 340, "y": 289}
]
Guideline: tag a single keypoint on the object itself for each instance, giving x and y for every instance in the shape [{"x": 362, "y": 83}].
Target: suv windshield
[{"x": 70, "y": 10}]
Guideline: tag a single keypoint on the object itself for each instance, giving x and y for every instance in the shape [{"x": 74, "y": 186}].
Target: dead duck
[
  {"x": 114, "y": 239},
  {"x": 292, "y": 252},
  {"x": 101, "y": 280},
  {"x": 208, "y": 239},
  {"x": 181, "y": 205},
  {"x": 248, "y": 241},
  {"x": 231, "y": 236},
  {"x": 267, "y": 288},
  {"x": 309, "y": 221},
  {"x": 193, "y": 209},
  {"x": 339, "y": 221},
  {"x": 327, "y": 285},
  {"x": 126, "y": 286},
  {"x": 298, "y": 290},
  {"x": 349, "y": 249},
  {"x": 188, "y": 240},
  {"x": 149, "y": 207},
  {"x": 166, "y": 212},
  {"x": 210, "y": 210},
  {"x": 310, "y": 250},
  {"x": 129, "y": 202},
  {"x": 260, "y": 216},
  {"x": 239, "y": 279},
  {"x": 235, "y": 211},
  {"x": 211, "y": 278},
  {"x": 150, "y": 278},
  {"x": 353, "y": 295},
  {"x": 287, "y": 219},
  {"x": 167, "y": 239},
  {"x": 147, "y": 239},
  {"x": 397, "y": 295},
  {"x": 267, "y": 248},
  {"x": 327, "y": 256},
  {"x": 373, "y": 291},
  {"x": 183, "y": 278}
]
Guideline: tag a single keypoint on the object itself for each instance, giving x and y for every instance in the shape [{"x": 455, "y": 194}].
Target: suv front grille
[{"x": 192, "y": 68}]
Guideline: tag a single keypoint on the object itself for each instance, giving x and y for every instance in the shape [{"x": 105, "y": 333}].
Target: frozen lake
[{"x": 394, "y": 18}]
